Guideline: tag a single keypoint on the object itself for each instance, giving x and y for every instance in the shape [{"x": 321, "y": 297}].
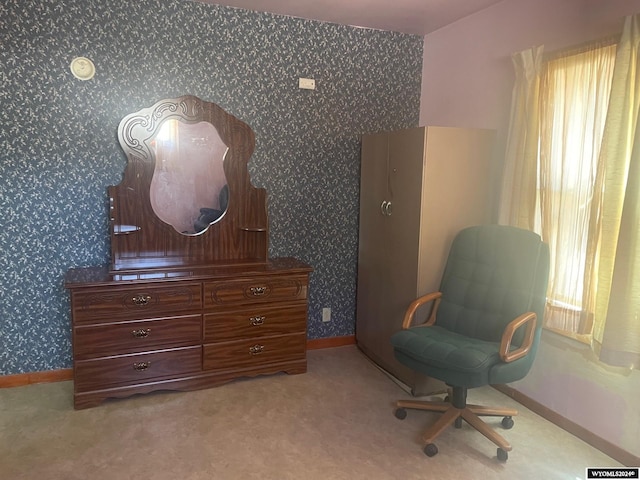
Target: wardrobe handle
[{"x": 383, "y": 207}]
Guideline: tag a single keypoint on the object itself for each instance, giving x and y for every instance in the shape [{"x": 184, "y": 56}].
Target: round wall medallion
[{"x": 82, "y": 68}]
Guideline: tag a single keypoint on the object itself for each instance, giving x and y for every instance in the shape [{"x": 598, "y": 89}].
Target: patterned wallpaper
[{"x": 59, "y": 149}]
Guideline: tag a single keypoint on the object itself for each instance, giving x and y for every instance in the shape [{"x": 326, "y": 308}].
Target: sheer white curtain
[
  {"x": 518, "y": 203},
  {"x": 618, "y": 295}
]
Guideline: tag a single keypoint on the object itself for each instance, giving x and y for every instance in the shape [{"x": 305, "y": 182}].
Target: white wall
[{"x": 467, "y": 82}]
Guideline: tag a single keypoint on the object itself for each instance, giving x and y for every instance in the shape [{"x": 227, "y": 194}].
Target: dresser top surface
[{"x": 101, "y": 275}]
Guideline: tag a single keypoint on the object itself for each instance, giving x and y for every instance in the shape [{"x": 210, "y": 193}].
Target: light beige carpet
[{"x": 334, "y": 422}]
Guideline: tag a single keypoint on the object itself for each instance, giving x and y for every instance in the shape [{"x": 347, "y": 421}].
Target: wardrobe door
[
  {"x": 402, "y": 236},
  {"x": 391, "y": 185},
  {"x": 402, "y": 219},
  {"x": 371, "y": 240}
]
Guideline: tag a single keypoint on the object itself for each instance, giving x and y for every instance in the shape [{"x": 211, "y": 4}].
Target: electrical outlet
[
  {"x": 307, "y": 83},
  {"x": 326, "y": 315}
]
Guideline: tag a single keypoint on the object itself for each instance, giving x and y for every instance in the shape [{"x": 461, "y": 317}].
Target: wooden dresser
[
  {"x": 190, "y": 299},
  {"x": 184, "y": 330}
]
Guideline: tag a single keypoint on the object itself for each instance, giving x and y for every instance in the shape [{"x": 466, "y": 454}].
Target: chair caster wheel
[
  {"x": 507, "y": 423},
  {"x": 430, "y": 449},
  {"x": 401, "y": 413},
  {"x": 503, "y": 455}
]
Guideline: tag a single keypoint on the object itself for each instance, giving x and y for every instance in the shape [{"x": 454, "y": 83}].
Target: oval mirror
[{"x": 189, "y": 188}]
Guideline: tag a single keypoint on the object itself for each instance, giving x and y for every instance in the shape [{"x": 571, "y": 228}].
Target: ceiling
[{"x": 418, "y": 17}]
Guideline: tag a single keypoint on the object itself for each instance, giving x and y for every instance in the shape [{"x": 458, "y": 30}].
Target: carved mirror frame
[{"x": 140, "y": 240}]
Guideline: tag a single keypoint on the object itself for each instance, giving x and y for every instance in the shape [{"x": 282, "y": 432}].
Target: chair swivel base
[{"x": 452, "y": 414}]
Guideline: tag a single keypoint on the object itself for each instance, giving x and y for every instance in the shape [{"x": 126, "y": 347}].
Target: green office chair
[{"x": 483, "y": 329}]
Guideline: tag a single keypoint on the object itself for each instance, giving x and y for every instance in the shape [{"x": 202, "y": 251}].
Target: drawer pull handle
[
  {"x": 257, "y": 291},
  {"x": 141, "y": 333},
  {"x": 256, "y": 349},
  {"x": 141, "y": 300},
  {"x": 256, "y": 321},
  {"x": 140, "y": 366}
]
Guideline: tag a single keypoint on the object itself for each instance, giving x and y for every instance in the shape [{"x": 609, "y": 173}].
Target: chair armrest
[
  {"x": 411, "y": 309},
  {"x": 530, "y": 319}
]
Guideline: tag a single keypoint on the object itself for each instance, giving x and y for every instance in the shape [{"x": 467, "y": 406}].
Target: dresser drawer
[
  {"x": 255, "y": 290},
  {"x": 254, "y": 322},
  {"x": 135, "y": 336},
  {"x": 255, "y": 351},
  {"x": 134, "y": 302},
  {"x": 135, "y": 368}
]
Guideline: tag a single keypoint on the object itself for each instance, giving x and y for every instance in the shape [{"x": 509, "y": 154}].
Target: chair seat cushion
[
  {"x": 442, "y": 348},
  {"x": 456, "y": 359}
]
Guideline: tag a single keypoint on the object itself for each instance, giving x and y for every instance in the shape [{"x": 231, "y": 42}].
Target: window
[
  {"x": 572, "y": 173},
  {"x": 574, "y": 96}
]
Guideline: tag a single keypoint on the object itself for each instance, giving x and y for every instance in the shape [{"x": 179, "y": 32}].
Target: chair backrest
[{"x": 493, "y": 274}]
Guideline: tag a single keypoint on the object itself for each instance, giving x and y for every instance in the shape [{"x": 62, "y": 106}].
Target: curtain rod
[{"x": 582, "y": 47}]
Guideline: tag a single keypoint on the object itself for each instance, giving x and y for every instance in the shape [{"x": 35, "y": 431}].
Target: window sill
[{"x": 578, "y": 337}]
